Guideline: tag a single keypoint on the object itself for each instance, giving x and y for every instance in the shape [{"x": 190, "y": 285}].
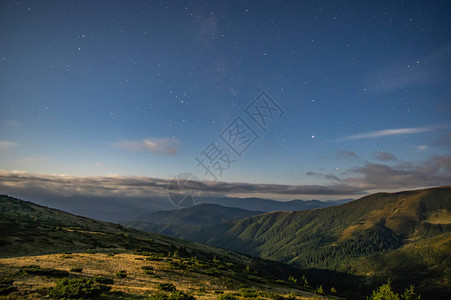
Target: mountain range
[
  {"x": 120, "y": 209},
  {"x": 404, "y": 236}
]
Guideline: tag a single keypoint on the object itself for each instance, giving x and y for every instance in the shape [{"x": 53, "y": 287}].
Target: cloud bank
[{"x": 361, "y": 180}]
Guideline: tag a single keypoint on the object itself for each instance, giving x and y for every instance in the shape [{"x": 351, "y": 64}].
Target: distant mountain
[
  {"x": 267, "y": 205},
  {"x": 405, "y": 236},
  {"x": 188, "y": 222},
  {"x": 202, "y": 214},
  {"x": 119, "y": 209},
  {"x": 190, "y": 219}
]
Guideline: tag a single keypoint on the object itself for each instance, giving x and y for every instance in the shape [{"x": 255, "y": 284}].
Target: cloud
[
  {"x": 327, "y": 176},
  {"x": 367, "y": 178},
  {"x": 384, "y": 156},
  {"x": 405, "y": 73},
  {"x": 93, "y": 186},
  {"x": 433, "y": 172},
  {"x": 4, "y": 145},
  {"x": 144, "y": 187},
  {"x": 167, "y": 146},
  {"x": 387, "y": 132},
  {"x": 444, "y": 141},
  {"x": 347, "y": 154}
]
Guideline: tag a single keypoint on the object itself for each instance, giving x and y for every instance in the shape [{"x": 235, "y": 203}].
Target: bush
[
  {"x": 167, "y": 287},
  {"x": 248, "y": 293},
  {"x": 158, "y": 296},
  {"x": 78, "y": 270},
  {"x": 319, "y": 290},
  {"x": 179, "y": 295},
  {"x": 77, "y": 288},
  {"x": 384, "y": 292},
  {"x": 227, "y": 297},
  {"x": 6, "y": 286},
  {"x": 103, "y": 280},
  {"x": 121, "y": 274},
  {"x": 37, "y": 270}
]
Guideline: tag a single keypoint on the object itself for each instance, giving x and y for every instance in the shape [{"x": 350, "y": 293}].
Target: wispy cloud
[
  {"x": 387, "y": 132},
  {"x": 444, "y": 141},
  {"x": 4, "y": 145},
  {"x": 403, "y": 73},
  {"x": 384, "y": 156},
  {"x": 167, "y": 146},
  {"x": 347, "y": 154}
]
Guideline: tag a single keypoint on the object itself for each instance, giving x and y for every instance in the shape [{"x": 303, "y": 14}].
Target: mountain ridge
[{"x": 376, "y": 235}]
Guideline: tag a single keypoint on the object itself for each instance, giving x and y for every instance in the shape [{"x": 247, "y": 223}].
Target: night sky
[{"x": 140, "y": 89}]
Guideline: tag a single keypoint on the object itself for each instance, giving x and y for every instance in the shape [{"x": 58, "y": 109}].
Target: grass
[{"x": 100, "y": 269}]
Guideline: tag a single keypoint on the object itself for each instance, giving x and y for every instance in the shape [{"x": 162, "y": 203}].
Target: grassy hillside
[
  {"x": 122, "y": 263},
  {"x": 405, "y": 236}
]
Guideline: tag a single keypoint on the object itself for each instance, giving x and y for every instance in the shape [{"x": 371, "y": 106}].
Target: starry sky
[{"x": 140, "y": 90}]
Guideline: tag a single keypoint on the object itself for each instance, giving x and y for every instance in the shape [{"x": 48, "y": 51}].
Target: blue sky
[{"x": 141, "y": 88}]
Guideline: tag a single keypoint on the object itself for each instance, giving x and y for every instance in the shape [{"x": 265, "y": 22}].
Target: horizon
[{"x": 275, "y": 100}]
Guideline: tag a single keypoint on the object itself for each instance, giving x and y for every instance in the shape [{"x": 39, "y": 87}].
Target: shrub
[
  {"x": 78, "y": 270},
  {"x": 227, "y": 297},
  {"x": 121, "y": 274},
  {"x": 248, "y": 293},
  {"x": 158, "y": 296},
  {"x": 168, "y": 287},
  {"x": 6, "y": 286},
  {"x": 37, "y": 270},
  {"x": 384, "y": 292},
  {"x": 179, "y": 295},
  {"x": 77, "y": 288},
  {"x": 103, "y": 280},
  {"x": 147, "y": 268},
  {"x": 319, "y": 290}
]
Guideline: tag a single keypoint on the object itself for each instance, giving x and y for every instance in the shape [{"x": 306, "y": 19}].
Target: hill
[
  {"x": 39, "y": 245},
  {"x": 405, "y": 236},
  {"x": 202, "y": 214}
]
